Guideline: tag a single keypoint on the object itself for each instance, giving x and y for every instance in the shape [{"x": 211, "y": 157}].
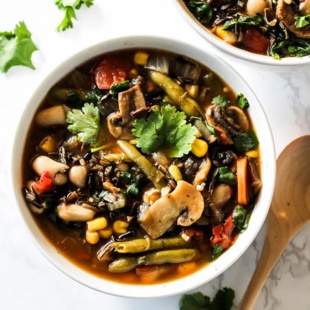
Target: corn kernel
[
  {"x": 48, "y": 144},
  {"x": 133, "y": 73},
  {"x": 192, "y": 90},
  {"x": 227, "y": 36},
  {"x": 252, "y": 153},
  {"x": 199, "y": 147},
  {"x": 105, "y": 233},
  {"x": 92, "y": 237},
  {"x": 120, "y": 227},
  {"x": 140, "y": 58},
  {"x": 175, "y": 172},
  {"x": 97, "y": 224}
]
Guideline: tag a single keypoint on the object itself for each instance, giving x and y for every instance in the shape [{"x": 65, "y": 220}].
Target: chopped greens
[
  {"x": 239, "y": 19},
  {"x": 220, "y": 100},
  {"x": 167, "y": 129},
  {"x": 226, "y": 176},
  {"x": 217, "y": 251},
  {"x": 302, "y": 21},
  {"x": 239, "y": 217},
  {"x": 16, "y": 48},
  {"x": 201, "y": 10},
  {"x": 85, "y": 123},
  {"x": 242, "y": 102},
  {"x": 223, "y": 300},
  {"x": 132, "y": 181},
  {"x": 245, "y": 141},
  {"x": 69, "y": 7},
  {"x": 119, "y": 87}
]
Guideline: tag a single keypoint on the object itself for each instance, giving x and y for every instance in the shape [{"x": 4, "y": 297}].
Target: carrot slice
[{"x": 242, "y": 175}]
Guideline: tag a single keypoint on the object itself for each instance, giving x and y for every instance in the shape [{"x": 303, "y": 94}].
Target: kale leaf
[
  {"x": 201, "y": 10},
  {"x": 16, "y": 48}
]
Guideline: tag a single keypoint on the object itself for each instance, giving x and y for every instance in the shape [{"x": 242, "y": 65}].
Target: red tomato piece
[
  {"x": 112, "y": 69},
  {"x": 44, "y": 184},
  {"x": 222, "y": 233},
  {"x": 255, "y": 41}
]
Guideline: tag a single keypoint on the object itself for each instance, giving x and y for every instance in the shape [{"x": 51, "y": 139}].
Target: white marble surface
[{"x": 27, "y": 279}]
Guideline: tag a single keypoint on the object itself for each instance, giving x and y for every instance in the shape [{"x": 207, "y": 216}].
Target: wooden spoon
[{"x": 289, "y": 212}]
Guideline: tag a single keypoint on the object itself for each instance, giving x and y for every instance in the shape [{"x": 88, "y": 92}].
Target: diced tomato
[
  {"x": 44, "y": 184},
  {"x": 222, "y": 233},
  {"x": 255, "y": 41},
  {"x": 112, "y": 69}
]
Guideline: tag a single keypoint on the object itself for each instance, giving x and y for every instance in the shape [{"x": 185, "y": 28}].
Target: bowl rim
[
  {"x": 235, "y": 51},
  {"x": 156, "y": 290}
]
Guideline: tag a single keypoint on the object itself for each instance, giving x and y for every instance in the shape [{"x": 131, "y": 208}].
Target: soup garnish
[
  {"x": 275, "y": 28},
  {"x": 142, "y": 163}
]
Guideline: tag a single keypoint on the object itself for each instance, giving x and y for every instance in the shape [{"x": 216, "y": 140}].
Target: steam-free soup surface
[{"x": 141, "y": 166}]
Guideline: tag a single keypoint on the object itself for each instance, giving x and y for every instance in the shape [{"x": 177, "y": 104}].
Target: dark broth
[{"x": 69, "y": 236}]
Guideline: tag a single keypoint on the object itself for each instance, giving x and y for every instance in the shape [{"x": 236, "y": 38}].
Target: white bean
[
  {"x": 254, "y": 7},
  {"x": 52, "y": 116},
  {"x": 77, "y": 176},
  {"x": 75, "y": 212}
]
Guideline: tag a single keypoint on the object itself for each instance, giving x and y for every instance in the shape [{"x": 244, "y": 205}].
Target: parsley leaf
[
  {"x": 166, "y": 129},
  {"x": 85, "y": 123},
  {"x": 16, "y": 48},
  {"x": 69, "y": 6},
  {"x": 223, "y": 300}
]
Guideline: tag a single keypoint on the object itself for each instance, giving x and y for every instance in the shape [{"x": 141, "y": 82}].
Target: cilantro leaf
[
  {"x": 69, "y": 6},
  {"x": 223, "y": 300},
  {"x": 220, "y": 100},
  {"x": 242, "y": 102},
  {"x": 85, "y": 123},
  {"x": 166, "y": 129},
  {"x": 16, "y": 48}
]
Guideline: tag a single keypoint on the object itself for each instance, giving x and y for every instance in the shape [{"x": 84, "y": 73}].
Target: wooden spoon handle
[{"x": 276, "y": 241}]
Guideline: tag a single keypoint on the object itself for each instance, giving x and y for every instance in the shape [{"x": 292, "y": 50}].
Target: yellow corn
[
  {"x": 48, "y": 144},
  {"x": 199, "y": 147},
  {"x": 192, "y": 90},
  {"x": 140, "y": 58},
  {"x": 133, "y": 73},
  {"x": 97, "y": 224},
  {"x": 92, "y": 237},
  {"x": 120, "y": 227},
  {"x": 175, "y": 172},
  {"x": 227, "y": 36},
  {"x": 105, "y": 233},
  {"x": 252, "y": 153}
]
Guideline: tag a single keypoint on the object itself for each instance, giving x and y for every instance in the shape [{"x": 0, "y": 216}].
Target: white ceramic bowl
[
  {"x": 235, "y": 52},
  {"x": 225, "y": 260}
]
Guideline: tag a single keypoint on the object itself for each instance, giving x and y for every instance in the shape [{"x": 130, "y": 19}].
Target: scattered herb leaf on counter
[
  {"x": 70, "y": 6},
  {"x": 165, "y": 128},
  {"x": 85, "y": 123},
  {"x": 16, "y": 48},
  {"x": 223, "y": 300}
]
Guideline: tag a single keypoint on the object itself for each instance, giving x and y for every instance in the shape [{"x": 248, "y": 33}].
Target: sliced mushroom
[
  {"x": 167, "y": 210},
  {"x": 221, "y": 194},
  {"x": 202, "y": 172},
  {"x": 75, "y": 212},
  {"x": 287, "y": 12},
  {"x": 56, "y": 169},
  {"x": 231, "y": 120},
  {"x": 304, "y": 7},
  {"x": 120, "y": 123},
  {"x": 52, "y": 116}
]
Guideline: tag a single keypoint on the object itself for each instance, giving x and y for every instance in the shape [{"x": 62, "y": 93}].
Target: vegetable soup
[
  {"x": 142, "y": 166},
  {"x": 276, "y": 28}
]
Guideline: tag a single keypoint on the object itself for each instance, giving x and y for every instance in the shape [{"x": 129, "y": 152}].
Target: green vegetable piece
[
  {"x": 119, "y": 87},
  {"x": 226, "y": 176},
  {"x": 85, "y": 123},
  {"x": 243, "y": 20},
  {"x": 125, "y": 264},
  {"x": 132, "y": 181},
  {"x": 302, "y": 21},
  {"x": 16, "y": 48},
  {"x": 239, "y": 216},
  {"x": 177, "y": 94},
  {"x": 166, "y": 129},
  {"x": 245, "y": 141},
  {"x": 69, "y": 7},
  {"x": 220, "y": 100},
  {"x": 153, "y": 174},
  {"x": 217, "y": 252},
  {"x": 242, "y": 102},
  {"x": 201, "y": 10},
  {"x": 143, "y": 245},
  {"x": 223, "y": 300}
]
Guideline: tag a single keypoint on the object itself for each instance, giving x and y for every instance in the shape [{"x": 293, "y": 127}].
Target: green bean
[
  {"x": 153, "y": 174},
  {"x": 177, "y": 94},
  {"x": 125, "y": 264},
  {"x": 143, "y": 245}
]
